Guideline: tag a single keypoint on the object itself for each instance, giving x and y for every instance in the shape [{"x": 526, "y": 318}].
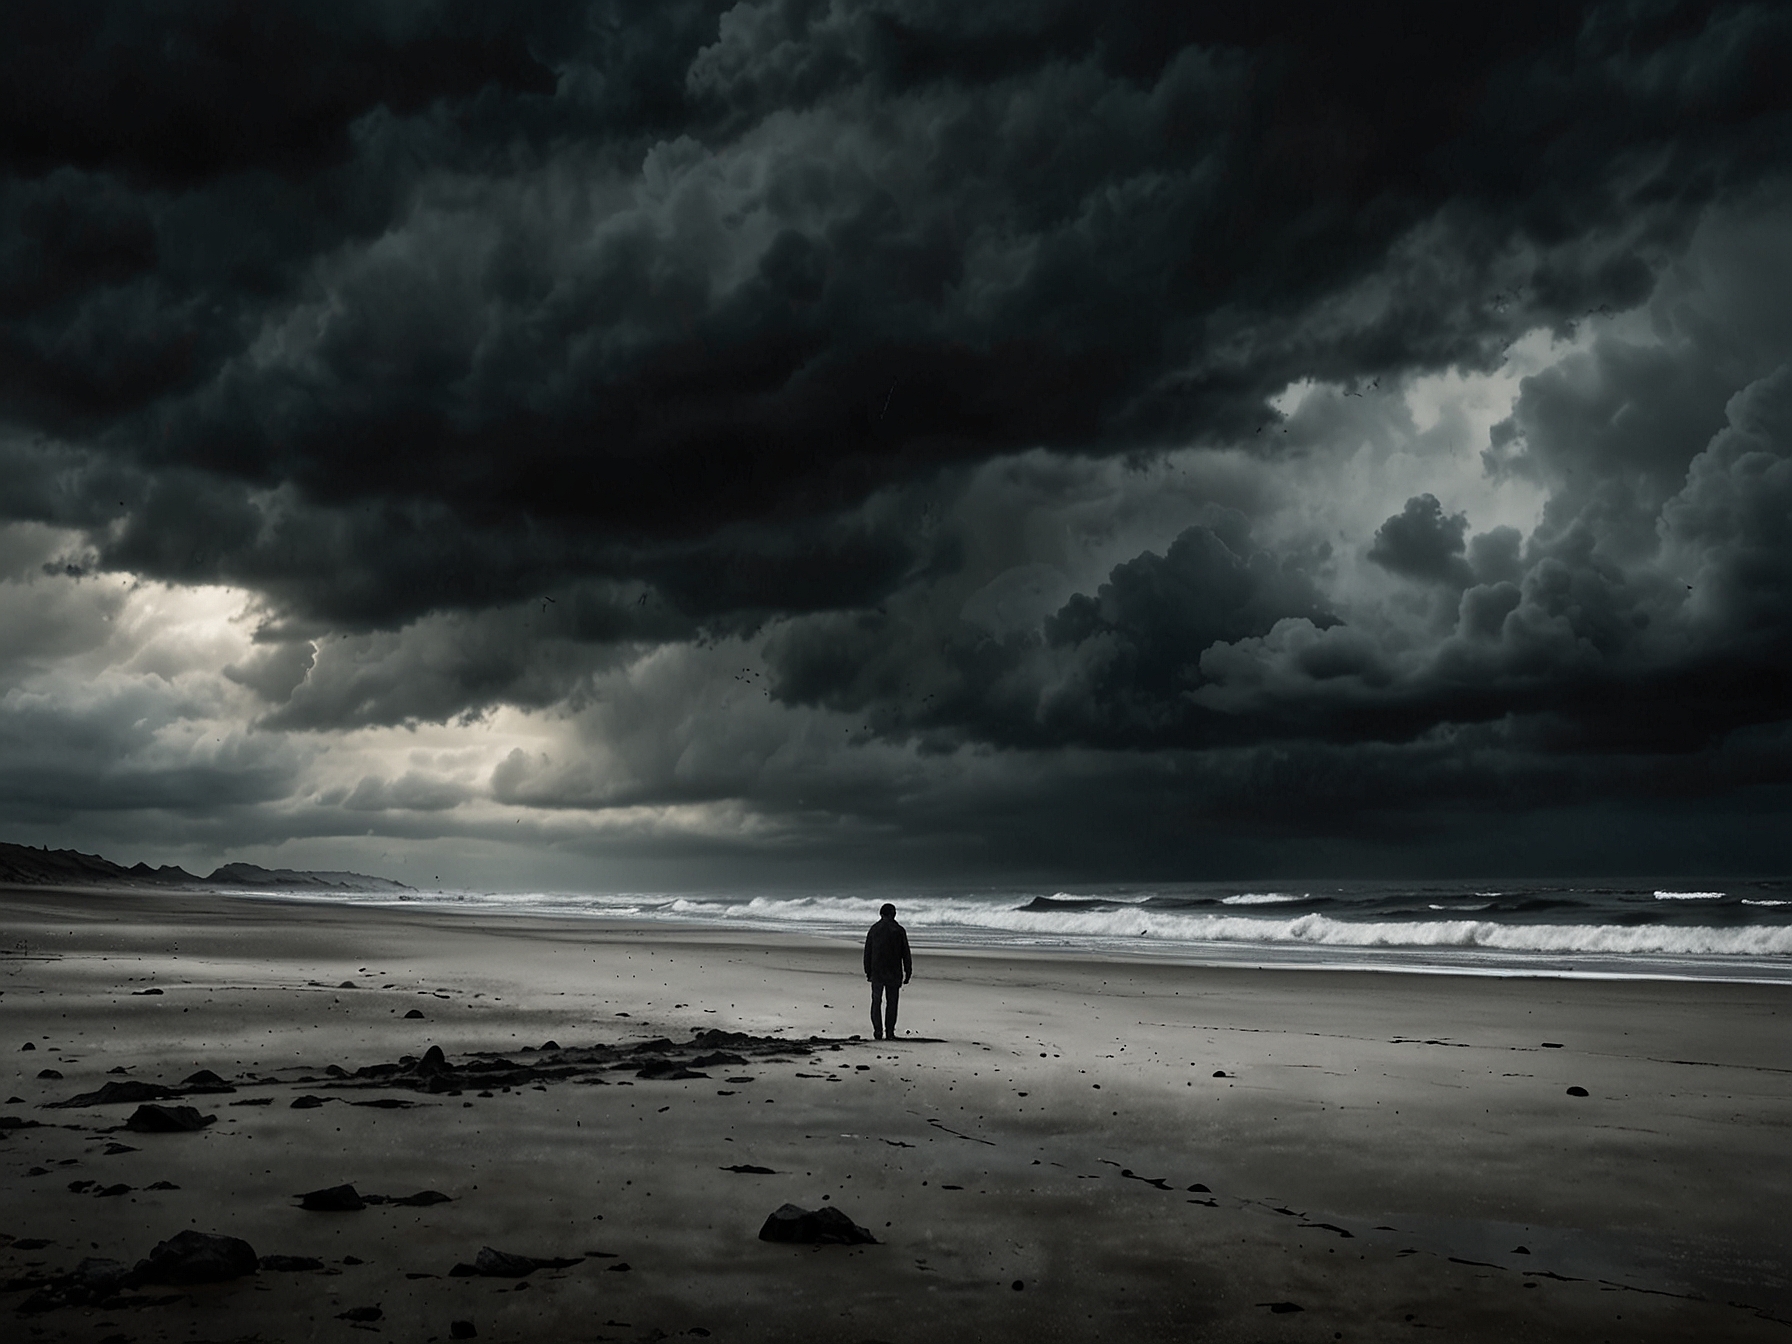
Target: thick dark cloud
[
  {"x": 498, "y": 356},
  {"x": 625, "y": 283}
]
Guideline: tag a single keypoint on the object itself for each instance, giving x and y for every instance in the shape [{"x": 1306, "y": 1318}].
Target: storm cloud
[{"x": 1132, "y": 438}]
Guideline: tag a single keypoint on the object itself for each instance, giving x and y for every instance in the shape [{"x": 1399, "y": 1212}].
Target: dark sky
[{"x": 597, "y": 444}]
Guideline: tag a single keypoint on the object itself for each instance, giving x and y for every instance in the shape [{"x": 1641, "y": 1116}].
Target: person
[{"x": 888, "y": 967}]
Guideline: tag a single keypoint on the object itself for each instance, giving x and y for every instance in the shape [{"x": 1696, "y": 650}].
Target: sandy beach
[{"x": 1054, "y": 1149}]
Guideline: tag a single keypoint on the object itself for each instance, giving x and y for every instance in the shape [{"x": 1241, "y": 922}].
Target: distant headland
[{"x": 27, "y": 866}]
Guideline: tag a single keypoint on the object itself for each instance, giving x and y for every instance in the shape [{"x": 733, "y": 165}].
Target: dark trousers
[{"x": 885, "y": 1026}]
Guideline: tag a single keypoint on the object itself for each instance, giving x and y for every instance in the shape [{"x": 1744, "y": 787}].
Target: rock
[
  {"x": 333, "y": 1199},
  {"x": 433, "y": 1061},
  {"x": 1281, "y": 1308},
  {"x": 424, "y": 1198},
  {"x": 550, "y": 1045},
  {"x": 827, "y": 1227},
  {"x": 164, "y": 1185},
  {"x": 348, "y": 984},
  {"x": 716, "y": 1059},
  {"x": 113, "y": 1191},
  {"x": 153, "y": 1119},
  {"x": 1577, "y": 1091},
  {"x": 205, "y": 1081},
  {"x": 15, "y": 1122},
  {"x": 360, "y": 1314},
  {"x": 198, "y": 1257},
  {"x": 415, "y": 1012},
  {"x": 748, "y": 1169},
  {"x": 114, "y": 1093},
  {"x": 114, "y": 1149},
  {"x": 28, "y": 1046},
  {"x": 145, "y": 993},
  {"x": 1219, "y": 1073},
  {"x": 99, "y": 1276},
  {"x": 462, "y": 1330},
  {"x": 290, "y": 1264},
  {"x": 495, "y": 1264},
  {"x": 50, "y": 1073},
  {"x": 309, "y": 1102}
]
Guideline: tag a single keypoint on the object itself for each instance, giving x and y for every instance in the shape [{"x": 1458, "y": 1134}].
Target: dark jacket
[{"x": 886, "y": 952}]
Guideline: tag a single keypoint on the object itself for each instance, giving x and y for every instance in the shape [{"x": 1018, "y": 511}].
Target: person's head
[{"x": 888, "y": 912}]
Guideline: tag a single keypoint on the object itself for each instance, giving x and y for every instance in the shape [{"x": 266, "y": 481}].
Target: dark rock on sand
[
  {"x": 495, "y": 1264},
  {"x": 145, "y": 993},
  {"x": 309, "y": 1102},
  {"x": 197, "y": 1257},
  {"x": 333, "y": 1199},
  {"x": 415, "y": 1012},
  {"x": 1577, "y": 1091},
  {"x": 113, "y": 1191},
  {"x": 28, "y": 1046},
  {"x": 290, "y": 1264},
  {"x": 716, "y": 1059},
  {"x": 748, "y": 1169},
  {"x": 114, "y": 1149},
  {"x": 1281, "y": 1308},
  {"x": 462, "y": 1330},
  {"x": 113, "y": 1093},
  {"x": 670, "y": 1069},
  {"x": 164, "y": 1185},
  {"x": 50, "y": 1073},
  {"x": 360, "y": 1314},
  {"x": 423, "y": 1199},
  {"x": 153, "y": 1119},
  {"x": 348, "y": 984},
  {"x": 827, "y": 1227},
  {"x": 14, "y": 1122}
]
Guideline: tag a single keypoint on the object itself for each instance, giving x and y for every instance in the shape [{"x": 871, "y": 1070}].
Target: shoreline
[
  {"x": 1046, "y": 1130},
  {"x": 1393, "y": 958}
]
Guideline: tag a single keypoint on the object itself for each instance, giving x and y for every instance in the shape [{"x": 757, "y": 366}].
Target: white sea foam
[
  {"x": 1261, "y": 898},
  {"x": 1747, "y": 901},
  {"x": 1482, "y": 906},
  {"x": 1019, "y": 925},
  {"x": 1689, "y": 895}
]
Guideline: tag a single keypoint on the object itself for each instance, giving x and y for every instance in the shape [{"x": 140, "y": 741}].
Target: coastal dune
[{"x": 1056, "y": 1148}]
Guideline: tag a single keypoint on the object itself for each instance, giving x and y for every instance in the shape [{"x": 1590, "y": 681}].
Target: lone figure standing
[{"x": 888, "y": 967}]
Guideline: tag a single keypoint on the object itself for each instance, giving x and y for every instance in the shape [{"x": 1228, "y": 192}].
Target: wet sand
[{"x": 1049, "y": 1152}]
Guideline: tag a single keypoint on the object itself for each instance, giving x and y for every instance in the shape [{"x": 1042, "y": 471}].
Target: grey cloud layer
[{"x": 495, "y": 353}]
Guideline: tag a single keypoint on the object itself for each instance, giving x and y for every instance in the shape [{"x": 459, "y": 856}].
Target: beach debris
[
  {"x": 496, "y": 1264},
  {"x": 823, "y": 1227},
  {"x": 332, "y": 1199},
  {"x": 151, "y": 1118},
  {"x": 197, "y": 1257},
  {"x": 1577, "y": 1091},
  {"x": 290, "y": 1264},
  {"x": 462, "y": 1330}
]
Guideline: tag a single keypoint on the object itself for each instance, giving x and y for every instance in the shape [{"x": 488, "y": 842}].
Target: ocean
[{"x": 1711, "y": 930}]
